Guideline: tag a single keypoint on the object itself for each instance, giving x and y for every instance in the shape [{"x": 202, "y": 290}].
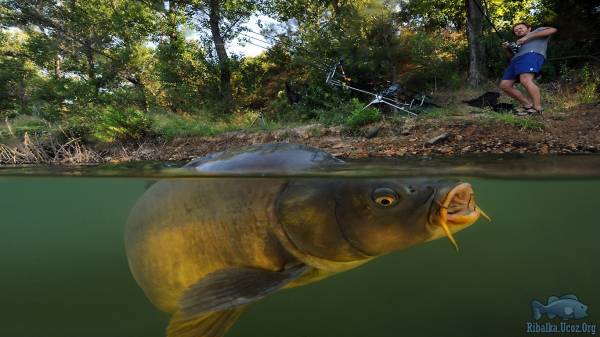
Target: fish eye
[{"x": 385, "y": 197}]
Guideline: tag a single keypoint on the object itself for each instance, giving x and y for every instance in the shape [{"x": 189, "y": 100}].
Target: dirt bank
[{"x": 576, "y": 131}]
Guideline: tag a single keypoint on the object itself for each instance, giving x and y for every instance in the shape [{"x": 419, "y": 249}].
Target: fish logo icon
[{"x": 566, "y": 307}]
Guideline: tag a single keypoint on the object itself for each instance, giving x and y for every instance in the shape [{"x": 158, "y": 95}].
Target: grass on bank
[
  {"x": 111, "y": 126},
  {"x": 529, "y": 123},
  {"x": 107, "y": 125}
]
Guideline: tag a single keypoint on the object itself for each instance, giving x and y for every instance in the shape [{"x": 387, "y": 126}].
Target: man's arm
[{"x": 547, "y": 31}]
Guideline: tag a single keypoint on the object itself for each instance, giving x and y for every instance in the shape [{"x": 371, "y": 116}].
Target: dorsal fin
[
  {"x": 269, "y": 158},
  {"x": 570, "y": 297},
  {"x": 552, "y": 299}
]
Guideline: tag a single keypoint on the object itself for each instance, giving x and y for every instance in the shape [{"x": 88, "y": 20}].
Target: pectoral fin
[
  {"x": 214, "y": 324},
  {"x": 233, "y": 287},
  {"x": 568, "y": 311}
]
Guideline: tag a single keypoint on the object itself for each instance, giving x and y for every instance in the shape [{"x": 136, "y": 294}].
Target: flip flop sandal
[
  {"x": 526, "y": 111},
  {"x": 534, "y": 111}
]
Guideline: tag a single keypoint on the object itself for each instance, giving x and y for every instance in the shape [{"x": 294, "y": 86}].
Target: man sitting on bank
[{"x": 525, "y": 64}]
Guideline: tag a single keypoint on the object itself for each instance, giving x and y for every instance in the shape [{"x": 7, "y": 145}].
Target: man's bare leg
[
  {"x": 532, "y": 89},
  {"x": 508, "y": 87}
]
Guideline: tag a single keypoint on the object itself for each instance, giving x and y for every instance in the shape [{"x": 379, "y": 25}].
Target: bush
[
  {"x": 111, "y": 124},
  {"x": 361, "y": 116},
  {"x": 589, "y": 90}
]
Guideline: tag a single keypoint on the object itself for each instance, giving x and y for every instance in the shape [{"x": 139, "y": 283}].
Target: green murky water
[{"x": 64, "y": 270}]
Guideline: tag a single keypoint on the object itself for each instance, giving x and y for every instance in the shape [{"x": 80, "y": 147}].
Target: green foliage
[
  {"x": 577, "y": 86},
  {"x": 589, "y": 90},
  {"x": 437, "y": 58},
  {"x": 17, "y": 127},
  {"x": 170, "y": 126},
  {"x": 109, "y": 124},
  {"x": 530, "y": 123},
  {"x": 361, "y": 116},
  {"x": 433, "y": 14},
  {"x": 182, "y": 74},
  {"x": 18, "y": 75}
]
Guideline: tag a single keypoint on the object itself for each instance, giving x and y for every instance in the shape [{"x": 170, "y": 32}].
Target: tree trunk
[
  {"x": 89, "y": 54},
  {"x": 57, "y": 71},
  {"x": 225, "y": 73},
  {"x": 171, "y": 87},
  {"x": 336, "y": 7},
  {"x": 476, "y": 73}
]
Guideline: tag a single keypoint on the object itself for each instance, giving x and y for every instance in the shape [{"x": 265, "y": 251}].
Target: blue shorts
[{"x": 527, "y": 63}]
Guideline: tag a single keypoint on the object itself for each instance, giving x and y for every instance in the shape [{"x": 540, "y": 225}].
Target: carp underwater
[{"x": 204, "y": 249}]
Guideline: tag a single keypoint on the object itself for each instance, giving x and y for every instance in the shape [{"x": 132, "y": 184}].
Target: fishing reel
[
  {"x": 514, "y": 47},
  {"x": 335, "y": 74}
]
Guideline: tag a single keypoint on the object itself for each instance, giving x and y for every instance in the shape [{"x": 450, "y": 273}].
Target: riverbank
[{"x": 570, "y": 132}]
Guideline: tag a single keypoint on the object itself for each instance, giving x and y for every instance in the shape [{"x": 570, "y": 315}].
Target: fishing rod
[
  {"x": 379, "y": 97},
  {"x": 488, "y": 19},
  {"x": 514, "y": 47}
]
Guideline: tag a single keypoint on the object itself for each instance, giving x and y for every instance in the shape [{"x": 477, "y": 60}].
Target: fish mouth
[{"x": 458, "y": 210}]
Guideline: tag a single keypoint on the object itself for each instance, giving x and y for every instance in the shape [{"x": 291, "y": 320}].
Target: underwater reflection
[{"x": 204, "y": 249}]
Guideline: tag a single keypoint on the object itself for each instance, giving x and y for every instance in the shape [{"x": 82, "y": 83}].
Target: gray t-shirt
[{"x": 536, "y": 45}]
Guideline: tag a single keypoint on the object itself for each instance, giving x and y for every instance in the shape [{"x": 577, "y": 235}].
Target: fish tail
[
  {"x": 214, "y": 324},
  {"x": 538, "y": 309}
]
